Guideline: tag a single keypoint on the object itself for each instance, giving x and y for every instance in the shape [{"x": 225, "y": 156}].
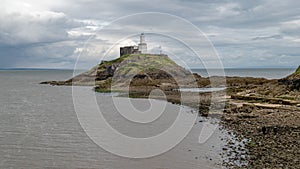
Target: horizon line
[{"x": 33, "y": 68}]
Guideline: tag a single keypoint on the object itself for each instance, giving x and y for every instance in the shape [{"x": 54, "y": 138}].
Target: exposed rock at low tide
[{"x": 267, "y": 116}]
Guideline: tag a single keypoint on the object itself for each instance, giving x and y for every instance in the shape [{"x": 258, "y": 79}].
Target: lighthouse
[{"x": 142, "y": 45}]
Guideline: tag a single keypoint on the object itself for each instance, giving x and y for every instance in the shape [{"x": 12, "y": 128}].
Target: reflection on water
[{"x": 39, "y": 128}]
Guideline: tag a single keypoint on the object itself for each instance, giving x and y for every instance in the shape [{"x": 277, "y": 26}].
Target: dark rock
[
  {"x": 107, "y": 72},
  {"x": 264, "y": 130},
  {"x": 292, "y": 81},
  {"x": 275, "y": 130}
]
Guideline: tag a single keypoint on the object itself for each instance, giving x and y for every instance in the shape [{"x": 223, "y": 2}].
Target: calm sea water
[{"x": 39, "y": 129}]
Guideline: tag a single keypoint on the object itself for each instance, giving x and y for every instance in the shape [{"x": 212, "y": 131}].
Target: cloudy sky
[{"x": 52, "y": 33}]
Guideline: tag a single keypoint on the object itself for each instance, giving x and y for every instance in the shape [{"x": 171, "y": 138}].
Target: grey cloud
[
  {"x": 243, "y": 32},
  {"x": 291, "y": 28},
  {"x": 267, "y": 37},
  {"x": 20, "y": 29}
]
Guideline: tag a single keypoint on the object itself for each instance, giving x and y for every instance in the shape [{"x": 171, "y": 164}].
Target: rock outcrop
[{"x": 292, "y": 81}]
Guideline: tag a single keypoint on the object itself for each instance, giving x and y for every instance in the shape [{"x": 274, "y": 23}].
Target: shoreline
[
  {"x": 264, "y": 112},
  {"x": 278, "y": 147}
]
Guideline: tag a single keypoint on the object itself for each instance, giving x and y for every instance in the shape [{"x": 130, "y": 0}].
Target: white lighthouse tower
[{"x": 142, "y": 44}]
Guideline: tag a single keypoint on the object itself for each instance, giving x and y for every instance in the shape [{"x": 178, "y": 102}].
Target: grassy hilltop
[{"x": 141, "y": 70}]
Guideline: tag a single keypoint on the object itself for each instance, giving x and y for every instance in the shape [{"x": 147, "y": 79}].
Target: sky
[{"x": 54, "y": 33}]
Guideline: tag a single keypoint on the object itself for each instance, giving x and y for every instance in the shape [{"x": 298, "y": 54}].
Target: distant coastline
[{"x": 32, "y": 69}]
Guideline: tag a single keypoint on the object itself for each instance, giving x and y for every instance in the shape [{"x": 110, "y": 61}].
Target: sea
[{"x": 39, "y": 126}]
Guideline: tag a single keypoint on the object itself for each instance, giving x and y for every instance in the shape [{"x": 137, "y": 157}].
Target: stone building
[{"x": 128, "y": 50}]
